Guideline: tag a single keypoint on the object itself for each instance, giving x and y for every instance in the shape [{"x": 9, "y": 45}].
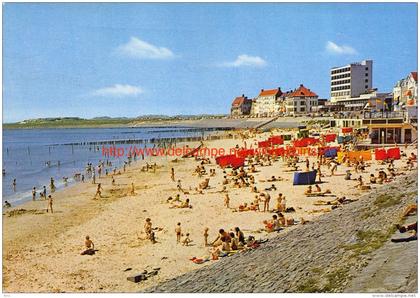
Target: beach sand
[{"x": 41, "y": 251}]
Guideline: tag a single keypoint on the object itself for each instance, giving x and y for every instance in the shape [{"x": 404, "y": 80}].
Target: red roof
[
  {"x": 276, "y": 92},
  {"x": 239, "y": 101},
  {"x": 302, "y": 91},
  {"x": 414, "y": 75}
]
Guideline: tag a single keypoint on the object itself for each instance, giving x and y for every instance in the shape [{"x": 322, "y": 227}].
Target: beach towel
[{"x": 304, "y": 178}]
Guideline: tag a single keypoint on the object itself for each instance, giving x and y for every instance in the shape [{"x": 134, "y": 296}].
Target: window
[
  {"x": 302, "y": 103},
  {"x": 366, "y": 86},
  {"x": 367, "y": 80},
  {"x": 367, "y": 68},
  {"x": 302, "y": 109},
  {"x": 366, "y": 74}
]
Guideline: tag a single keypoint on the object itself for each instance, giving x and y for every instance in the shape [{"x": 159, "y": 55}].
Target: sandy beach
[{"x": 41, "y": 251}]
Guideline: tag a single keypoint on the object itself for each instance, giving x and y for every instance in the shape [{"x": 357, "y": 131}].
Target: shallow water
[{"x": 26, "y": 152}]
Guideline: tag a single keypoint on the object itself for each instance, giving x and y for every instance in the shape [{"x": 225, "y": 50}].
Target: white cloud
[
  {"x": 118, "y": 90},
  {"x": 334, "y": 48},
  {"x": 245, "y": 60},
  {"x": 139, "y": 49}
]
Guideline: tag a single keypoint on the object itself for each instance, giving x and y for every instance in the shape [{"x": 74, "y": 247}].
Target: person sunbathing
[
  {"x": 411, "y": 227},
  {"x": 204, "y": 184},
  {"x": 185, "y": 204},
  {"x": 272, "y": 187},
  {"x": 317, "y": 188},
  {"x": 410, "y": 210},
  {"x": 234, "y": 243},
  {"x": 308, "y": 191},
  {"x": 243, "y": 207},
  {"x": 372, "y": 179}
]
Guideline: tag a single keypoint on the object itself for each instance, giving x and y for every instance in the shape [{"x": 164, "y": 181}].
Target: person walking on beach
[
  {"x": 14, "y": 185},
  {"x": 173, "y": 174},
  {"x": 33, "y": 193},
  {"x": 178, "y": 232},
  {"x": 179, "y": 187},
  {"x": 98, "y": 191},
  {"x": 50, "y": 204},
  {"x": 93, "y": 178}
]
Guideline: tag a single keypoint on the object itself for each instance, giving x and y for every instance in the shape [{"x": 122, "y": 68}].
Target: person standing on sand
[
  {"x": 149, "y": 230},
  {"x": 52, "y": 186},
  {"x": 14, "y": 185},
  {"x": 132, "y": 192},
  {"x": 93, "y": 178},
  {"x": 206, "y": 236},
  {"x": 227, "y": 200},
  {"x": 178, "y": 232},
  {"x": 33, "y": 193},
  {"x": 266, "y": 197},
  {"x": 44, "y": 191},
  {"x": 173, "y": 174},
  {"x": 50, "y": 204}
]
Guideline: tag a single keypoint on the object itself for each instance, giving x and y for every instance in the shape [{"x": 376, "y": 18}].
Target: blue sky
[{"x": 131, "y": 59}]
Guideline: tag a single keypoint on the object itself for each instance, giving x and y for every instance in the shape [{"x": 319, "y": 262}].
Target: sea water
[{"x": 33, "y": 156}]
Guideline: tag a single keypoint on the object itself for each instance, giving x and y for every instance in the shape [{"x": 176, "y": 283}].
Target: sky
[{"x": 132, "y": 59}]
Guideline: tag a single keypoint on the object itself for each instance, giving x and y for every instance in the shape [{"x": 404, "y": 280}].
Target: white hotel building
[{"x": 351, "y": 80}]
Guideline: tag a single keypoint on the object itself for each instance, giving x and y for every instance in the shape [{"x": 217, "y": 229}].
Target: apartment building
[{"x": 351, "y": 80}]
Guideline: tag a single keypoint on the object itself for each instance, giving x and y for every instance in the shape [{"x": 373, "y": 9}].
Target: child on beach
[
  {"x": 178, "y": 232},
  {"x": 187, "y": 240},
  {"x": 90, "y": 247},
  {"x": 98, "y": 191},
  {"x": 50, "y": 204}
]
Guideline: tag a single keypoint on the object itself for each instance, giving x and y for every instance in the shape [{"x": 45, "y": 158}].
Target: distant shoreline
[{"x": 205, "y": 123}]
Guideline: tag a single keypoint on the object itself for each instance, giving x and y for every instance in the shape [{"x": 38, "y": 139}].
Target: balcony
[{"x": 385, "y": 115}]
